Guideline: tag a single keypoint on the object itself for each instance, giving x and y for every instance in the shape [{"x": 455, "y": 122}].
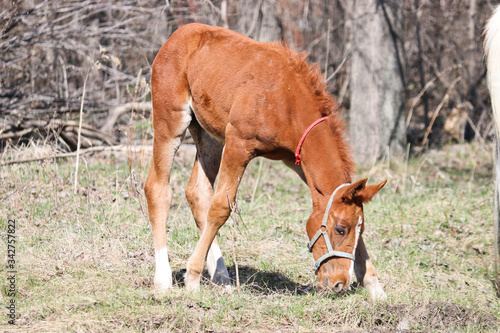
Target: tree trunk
[
  {"x": 376, "y": 118},
  {"x": 425, "y": 99},
  {"x": 472, "y": 41},
  {"x": 268, "y": 29},
  {"x": 472, "y": 63}
]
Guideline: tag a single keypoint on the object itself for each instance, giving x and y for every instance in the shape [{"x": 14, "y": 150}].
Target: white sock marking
[{"x": 163, "y": 273}]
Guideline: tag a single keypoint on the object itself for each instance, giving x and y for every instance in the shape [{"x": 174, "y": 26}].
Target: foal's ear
[
  {"x": 367, "y": 193},
  {"x": 351, "y": 191},
  {"x": 360, "y": 191}
]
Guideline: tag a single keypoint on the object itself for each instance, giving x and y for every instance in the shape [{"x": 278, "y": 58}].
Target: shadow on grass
[{"x": 265, "y": 283}]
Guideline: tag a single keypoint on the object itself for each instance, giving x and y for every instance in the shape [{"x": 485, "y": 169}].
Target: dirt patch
[{"x": 434, "y": 315}]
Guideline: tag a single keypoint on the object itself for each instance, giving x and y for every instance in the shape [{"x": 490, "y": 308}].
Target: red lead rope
[{"x": 297, "y": 152}]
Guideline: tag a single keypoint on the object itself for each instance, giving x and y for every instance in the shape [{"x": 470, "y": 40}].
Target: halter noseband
[{"x": 323, "y": 231}]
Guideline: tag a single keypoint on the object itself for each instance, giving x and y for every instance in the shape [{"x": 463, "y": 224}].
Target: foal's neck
[{"x": 327, "y": 159}]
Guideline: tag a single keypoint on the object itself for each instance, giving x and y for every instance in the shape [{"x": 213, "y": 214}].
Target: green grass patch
[{"x": 85, "y": 260}]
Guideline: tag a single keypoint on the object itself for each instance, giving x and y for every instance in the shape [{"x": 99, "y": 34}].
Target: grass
[{"x": 85, "y": 260}]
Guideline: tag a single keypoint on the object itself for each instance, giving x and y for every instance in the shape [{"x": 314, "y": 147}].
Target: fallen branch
[
  {"x": 66, "y": 129},
  {"x": 93, "y": 134},
  {"x": 72, "y": 154},
  {"x": 115, "y": 113},
  {"x": 11, "y": 135}
]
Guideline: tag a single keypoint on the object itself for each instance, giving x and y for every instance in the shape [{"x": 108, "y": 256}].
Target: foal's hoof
[
  {"x": 193, "y": 287},
  {"x": 163, "y": 284},
  {"x": 192, "y": 282},
  {"x": 222, "y": 279},
  {"x": 378, "y": 294},
  {"x": 227, "y": 289}
]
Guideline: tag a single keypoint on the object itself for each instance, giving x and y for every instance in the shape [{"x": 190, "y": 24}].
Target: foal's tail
[{"x": 492, "y": 52}]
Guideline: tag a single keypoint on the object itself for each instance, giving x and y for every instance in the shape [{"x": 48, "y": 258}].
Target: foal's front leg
[
  {"x": 365, "y": 272},
  {"x": 199, "y": 193},
  {"x": 234, "y": 161}
]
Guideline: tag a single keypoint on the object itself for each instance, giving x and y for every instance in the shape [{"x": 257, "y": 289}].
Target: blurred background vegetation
[{"x": 49, "y": 48}]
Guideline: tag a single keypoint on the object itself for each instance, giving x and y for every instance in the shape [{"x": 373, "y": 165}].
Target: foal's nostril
[{"x": 338, "y": 286}]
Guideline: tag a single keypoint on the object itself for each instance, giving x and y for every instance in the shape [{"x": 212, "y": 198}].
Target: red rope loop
[{"x": 297, "y": 152}]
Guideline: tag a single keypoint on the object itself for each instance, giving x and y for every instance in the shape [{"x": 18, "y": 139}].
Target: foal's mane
[
  {"x": 337, "y": 126},
  {"x": 313, "y": 76},
  {"x": 328, "y": 106}
]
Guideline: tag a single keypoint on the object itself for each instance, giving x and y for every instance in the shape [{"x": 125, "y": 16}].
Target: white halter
[{"x": 323, "y": 231}]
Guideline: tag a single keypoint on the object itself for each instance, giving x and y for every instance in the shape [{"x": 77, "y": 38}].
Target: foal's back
[{"x": 228, "y": 77}]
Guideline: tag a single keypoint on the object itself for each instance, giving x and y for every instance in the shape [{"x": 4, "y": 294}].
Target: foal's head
[{"x": 344, "y": 226}]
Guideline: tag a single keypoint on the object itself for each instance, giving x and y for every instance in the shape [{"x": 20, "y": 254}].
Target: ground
[{"x": 84, "y": 260}]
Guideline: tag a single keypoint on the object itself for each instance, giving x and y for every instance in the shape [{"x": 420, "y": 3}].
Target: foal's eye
[{"x": 340, "y": 229}]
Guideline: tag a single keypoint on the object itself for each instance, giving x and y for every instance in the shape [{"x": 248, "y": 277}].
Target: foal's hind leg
[
  {"x": 366, "y": 274},
  {"x": 199, "y": 193},
  {"x": 170, "y": 123}
]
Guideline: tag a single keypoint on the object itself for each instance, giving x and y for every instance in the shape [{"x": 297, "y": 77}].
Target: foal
[{"x": 241, "y": 99}]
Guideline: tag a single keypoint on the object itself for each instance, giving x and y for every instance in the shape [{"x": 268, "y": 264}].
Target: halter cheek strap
[{"x": 323, "y": 232}]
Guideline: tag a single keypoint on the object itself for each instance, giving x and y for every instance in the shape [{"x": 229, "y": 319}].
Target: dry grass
[{"x": 85, "y": 260}]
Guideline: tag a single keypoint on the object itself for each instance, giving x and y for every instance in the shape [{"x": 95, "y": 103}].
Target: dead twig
[
  {"x": 233, "y": 239},
  {"x": 424, "y": 89},
  {"x": 79, "y": 140},
  {"x": 327, "y": 48},
  {"x": 438, "y": 108},
  {"x": 476, "y": 131}
]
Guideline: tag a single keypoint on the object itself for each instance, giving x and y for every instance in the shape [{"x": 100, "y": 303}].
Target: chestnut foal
[{"x": 241, "y": 99}]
